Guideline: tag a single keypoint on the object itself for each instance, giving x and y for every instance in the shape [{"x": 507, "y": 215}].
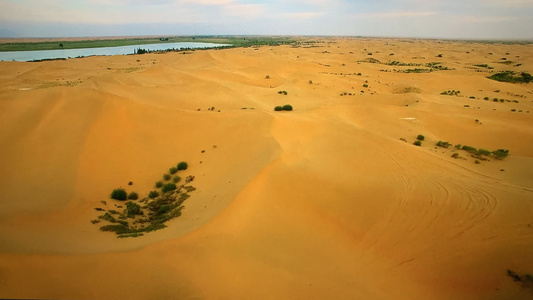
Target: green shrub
[
  {"x": 278, "y": 108},
  {"x": 417, "y": 143},
  {"x": 167, "y": 187},
  {"x": 287, "y": 107},
  {"x": 365, "y": 85},
  {"x": 480, "y": 152},
  {"x": 158, "y": 184},
  {"x": 486, "y": 98},
  {"x": 443, "y": 144},
  {"x": 133, "y": 209},
  {"x": 182, "y": 166},
  {"x": 458, "y": 146},
  {"x": 176, "y": 179},
  {"x": 500, "y": 153},
  {"x": 133, "y": 196},
  {"x": 166, "y": 177},
  {"x": 282, "y": 92},
  {"x": 420, "y": 137},
  {"x": 163, "y": 209},
  {"x": 153, "y": 194},
  {"x": 173, "y": 170},
  {"x": 119, "y": 194},
  {"x": 469, "y": 149}
]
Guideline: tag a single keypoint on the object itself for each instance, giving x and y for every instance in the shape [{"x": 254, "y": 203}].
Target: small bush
[
  {"x": 153, "y": 194},
  {"x": 477, "y": 162},
  {"x": 133, "y": 196},
  {"x": 163, "y": 209},
  {"x": 182, "y": 166},
  {"x": 365, "y": 85},
  {"x": 166, "y": 177},
  {"x": 310, "y": 81},
  {"x": 458, "y": 146},
  {"x": 278, "y": 108},
  {"x": 282, "y": 92},
  {"x": 469, "y": 149},
  {"x": 417, "y": 143},
  {"x": 167, "y": 187},
  {"x": 486, "y": 98},
  {"x": 443, "y": 144},
  {"x": 455, "y": 155},
  {"x": 176, "y": 179},
  {"x": 420, "y": 137},
  {"x": 158, "y": 184},
  {"x": 173, "y": 170},
  {"x": 500, "y": 153},
  {"x": 480, "y": 152},
  {"x": 267, "y": 77},
  {"x": 119, "y": 194},
  {"x": 133, "y": 209},
  {"x": 287, "y": 107}
]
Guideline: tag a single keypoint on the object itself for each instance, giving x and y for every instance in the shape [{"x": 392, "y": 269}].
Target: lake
[{"x": 120, "y": 50}]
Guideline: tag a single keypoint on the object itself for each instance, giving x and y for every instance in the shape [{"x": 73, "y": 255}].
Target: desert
[{"x": 329, "y": 200}]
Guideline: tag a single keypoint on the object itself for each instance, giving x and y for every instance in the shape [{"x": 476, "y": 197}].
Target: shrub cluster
[
  {"x": 509, "y": 76},
  {"x": 443, "y": 144},
  {"x": 286, "y": 107},
  {"x": 283, "y": 93}
]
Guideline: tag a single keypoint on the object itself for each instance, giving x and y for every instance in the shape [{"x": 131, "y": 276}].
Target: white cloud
[
  {"x": 302, "y": 15},
  {"x": 396, "y": 14}
]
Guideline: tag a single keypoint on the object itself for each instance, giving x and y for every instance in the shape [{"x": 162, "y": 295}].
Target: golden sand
[{"x": 324, "y": 202}]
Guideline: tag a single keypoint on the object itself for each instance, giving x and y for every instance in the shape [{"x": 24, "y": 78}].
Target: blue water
[{"x": 121, "y": 50}]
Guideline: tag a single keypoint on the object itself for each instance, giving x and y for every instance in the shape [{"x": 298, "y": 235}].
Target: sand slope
[{"x": 325, "y": 201}]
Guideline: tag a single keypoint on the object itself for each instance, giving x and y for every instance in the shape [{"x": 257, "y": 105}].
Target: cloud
[
  {"x": 248, "y": 11},
  {"x": 508, "y": 3},
  {"x": 302, "y": 15},
  {"x": 396, "y": 14}
]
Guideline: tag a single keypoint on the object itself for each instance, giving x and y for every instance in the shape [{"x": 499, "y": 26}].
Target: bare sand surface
[{"x": 324, "y": 202}]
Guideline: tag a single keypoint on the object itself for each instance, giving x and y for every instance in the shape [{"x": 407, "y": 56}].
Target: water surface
[{"x": 120, "y": 50}]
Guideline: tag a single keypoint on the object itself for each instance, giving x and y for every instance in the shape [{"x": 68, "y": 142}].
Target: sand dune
[{"x": 325, "y": 201}]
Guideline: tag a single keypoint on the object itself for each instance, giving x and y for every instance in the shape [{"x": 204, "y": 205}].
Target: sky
[{"x": 456, "y": 19}]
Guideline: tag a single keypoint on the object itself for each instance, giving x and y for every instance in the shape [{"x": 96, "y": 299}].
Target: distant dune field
[{"x": 329, "y": 201}]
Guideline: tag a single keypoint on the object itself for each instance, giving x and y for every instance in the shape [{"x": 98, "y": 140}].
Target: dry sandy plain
[{"x": 324, "y": 202}]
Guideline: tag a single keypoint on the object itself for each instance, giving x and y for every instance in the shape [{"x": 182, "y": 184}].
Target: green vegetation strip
[{"x": 232, "y": 40}]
